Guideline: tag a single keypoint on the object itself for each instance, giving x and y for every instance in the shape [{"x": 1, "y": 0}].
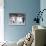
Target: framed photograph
[{"x": 16, "y": 19}]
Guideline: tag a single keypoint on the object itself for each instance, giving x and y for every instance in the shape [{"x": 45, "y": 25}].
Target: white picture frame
[{"x": 16, "y": 19}]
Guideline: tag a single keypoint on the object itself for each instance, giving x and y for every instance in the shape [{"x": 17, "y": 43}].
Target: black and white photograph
[{"x": 16, "y": 19}]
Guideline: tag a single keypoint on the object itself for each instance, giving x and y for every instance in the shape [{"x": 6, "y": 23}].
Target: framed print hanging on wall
[{"x": 16, "y": 19}]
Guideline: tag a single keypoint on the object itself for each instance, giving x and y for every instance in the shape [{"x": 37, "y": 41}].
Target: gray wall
[
  {"x": 29, "y": 8},
  {"x": 43, "y": 6}
]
